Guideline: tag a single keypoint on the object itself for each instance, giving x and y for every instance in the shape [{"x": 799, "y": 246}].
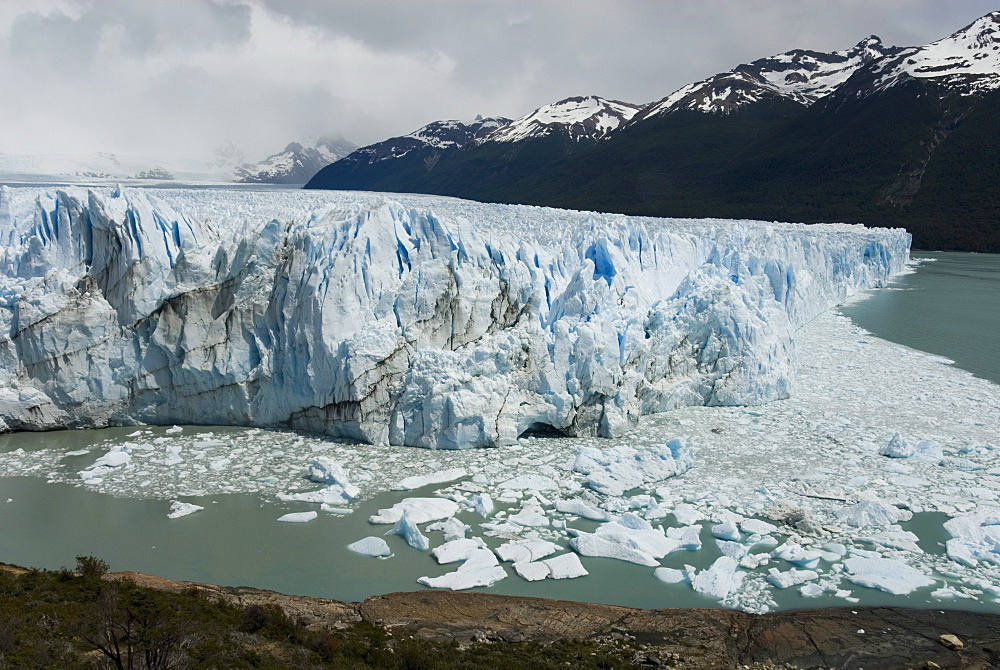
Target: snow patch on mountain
[
  {"x": 579, "y": 118},
  {"x": 439, "y": 135},
  {"x": 296, "y": 164},
  {"x": 967, "y": 61},
  {"x": 798, "y": 75}
]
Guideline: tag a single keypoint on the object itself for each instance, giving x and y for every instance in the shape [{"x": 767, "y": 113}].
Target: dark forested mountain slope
[{"x": 880, "y": 135}]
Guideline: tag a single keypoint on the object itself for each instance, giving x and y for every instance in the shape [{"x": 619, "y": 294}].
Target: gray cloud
[
  {"x": 141, "y": 76},
  {"x": 133, "y": 29}
]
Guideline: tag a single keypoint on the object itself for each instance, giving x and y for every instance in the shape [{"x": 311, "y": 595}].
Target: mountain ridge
[
  {"x": 295, "y": 164},
  {"x": 873, "y": 133}
]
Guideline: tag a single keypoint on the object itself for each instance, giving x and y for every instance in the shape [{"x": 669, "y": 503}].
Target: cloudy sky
[{"x": 171, "y": 78}]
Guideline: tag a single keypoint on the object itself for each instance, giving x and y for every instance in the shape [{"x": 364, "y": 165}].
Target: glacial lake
[{"x": 948, "y": 307}]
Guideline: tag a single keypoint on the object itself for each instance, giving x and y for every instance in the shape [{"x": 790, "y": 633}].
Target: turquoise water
[
  {"x": 236, "y": 541},
  {"x": 949, "y": 307}
]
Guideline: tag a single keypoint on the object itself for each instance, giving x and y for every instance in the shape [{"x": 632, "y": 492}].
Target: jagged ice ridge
[{"x": 421, "y": 321}]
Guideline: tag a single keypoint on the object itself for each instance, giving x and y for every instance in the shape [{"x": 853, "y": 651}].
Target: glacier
[{"x": 402, "y": 320}]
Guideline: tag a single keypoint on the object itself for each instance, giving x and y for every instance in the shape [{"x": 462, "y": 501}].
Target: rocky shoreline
[{"x": 857, "y": 637}]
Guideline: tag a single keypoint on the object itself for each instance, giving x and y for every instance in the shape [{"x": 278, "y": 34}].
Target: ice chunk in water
[
  {"x": 793, "y": 577},
  {"x": 720, "y": 580},
  {"x": 619, "y": 469},
  {"x": 797, "y": 555},
  {"x": 483, "y": 504},
  {"x": 417, "y": 481},
  {"x": 686, "y": 514},
  {"x": 298, "y": 517},
  {"x": 480, "y": 569},
  {"x": 975, "y": 537},
  {"x": 630, "y": 538},
  {"x": 451, "y": 529},
  {"x": 407, "y": 528},
  {"x": 872, "y": 513},
  {"x": 581, "y": 509},
  {"x": 687, "y": 537},
  {"x": 671, "y": 575},
  {"x": 371, "y": 546},
  {"x": 420, "y": 510},
  {"x": 457, "y": 550},
  {"x": 524, "y": 551},
  {"x": 564, "y": 566},
  {"x": 179, "y": 509},
  {"x": 885, "y": 574},
  {"x": 726, "y": 531}
]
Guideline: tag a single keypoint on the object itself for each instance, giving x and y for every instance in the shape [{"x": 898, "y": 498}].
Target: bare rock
[{"x": 951, "y": 642}]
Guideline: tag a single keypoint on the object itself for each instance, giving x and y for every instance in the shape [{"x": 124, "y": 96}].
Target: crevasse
[{"x": 408, "y": 320}]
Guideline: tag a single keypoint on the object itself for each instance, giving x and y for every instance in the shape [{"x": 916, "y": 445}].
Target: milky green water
[
  {"x": 948, "y": 307},
  {"x": 236, "y": 541}
]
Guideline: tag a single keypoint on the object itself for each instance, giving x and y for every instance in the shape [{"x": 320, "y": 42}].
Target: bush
[{"x": 91, "y": 567}]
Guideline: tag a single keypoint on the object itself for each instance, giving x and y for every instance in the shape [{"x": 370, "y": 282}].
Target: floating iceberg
[
  {"x": 371, "y": 546},
  {"x": 720, "y": 579},
  {"x": 417, "y": 481},
  {"x": 298, "y": 517},
  {"x": 975, "y": 537},
  {"x": 872, "y": 513},
  {"x": 885, "y": 574},
  {"x": 481, "y": 568},
  {"x": 619, "y": 469},
  {"x": 579, "y": 508},
  {"x": 525, "y": 551},
  {"x": 792, "y": 577},
  {"x": 483, "y": 504},
  {"x": 451, "y": 529},
  {"x": 457, "y": 550},
  {"x": 419, "y": 510},
  {"x": 407, "y": 528},
  {"x": 420, "y": 321},
  {"x": 629, "y": 538},
  {"x": 564, "y": 566},
  {"x": 672, "y": 575},
  {"x": 179, "y": 509}
]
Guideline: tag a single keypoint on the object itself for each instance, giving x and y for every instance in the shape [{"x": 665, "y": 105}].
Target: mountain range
[
  {"x": 876, "y": 134},
  {"x": 295, "y": 164}
]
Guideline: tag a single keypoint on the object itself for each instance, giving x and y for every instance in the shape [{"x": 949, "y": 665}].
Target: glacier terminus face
[{"x": 402, "y": 320}]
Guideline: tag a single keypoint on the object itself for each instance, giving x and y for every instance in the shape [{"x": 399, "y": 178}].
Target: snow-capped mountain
[
  {"x": 799, "y": 75},
  {"x": 874, "y": 133},
  {"x": 411, "y": 162},
  {"x": 439, "y": 135},
  {"x": 589, "y": 117},
  {"x": 966, "y": 62},
  {"x": 295, "y": 164},
  {"x": 401, "y": 162}
]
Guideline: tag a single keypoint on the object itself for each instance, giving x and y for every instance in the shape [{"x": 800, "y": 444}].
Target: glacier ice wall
[{"x": 413, "y": 320}]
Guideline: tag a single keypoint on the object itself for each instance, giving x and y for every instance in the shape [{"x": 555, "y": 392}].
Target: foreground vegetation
[{"x": 78, "y": 619}]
